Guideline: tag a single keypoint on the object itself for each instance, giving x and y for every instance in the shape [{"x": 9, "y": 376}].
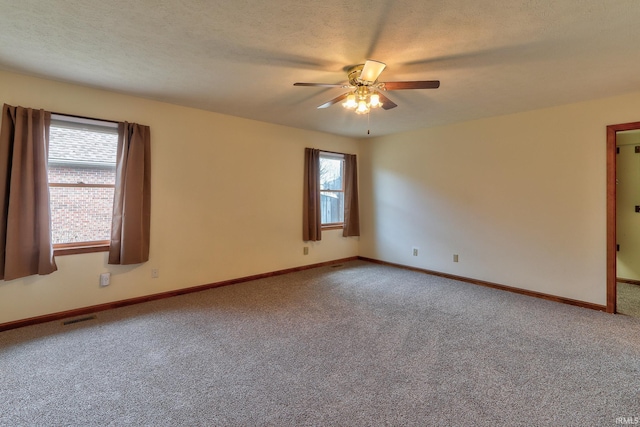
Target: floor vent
[{"x": 78, "y": 320}]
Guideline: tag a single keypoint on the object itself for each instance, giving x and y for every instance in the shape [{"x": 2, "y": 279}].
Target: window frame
[
  {"x": 333, "y": 156},
  {"x": 72, "y": 248}
]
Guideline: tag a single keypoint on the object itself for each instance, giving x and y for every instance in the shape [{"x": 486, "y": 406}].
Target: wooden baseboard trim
[
  {"x": 629, "y": 281},
  {"x": 122, "y": 303},
  {"x": 493, "y": 285},
  {"x": 138, "y": 300}
]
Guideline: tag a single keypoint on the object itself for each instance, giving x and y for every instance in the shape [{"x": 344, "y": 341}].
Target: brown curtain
[
  {"x": 351, "y": 210},
  {"x": 311, "y": 221},
  {"x": 25, "y": 214},
  {"x": 130, "y": 226}
]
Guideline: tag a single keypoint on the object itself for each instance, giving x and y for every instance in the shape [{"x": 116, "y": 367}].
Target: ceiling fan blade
[
  {"x": 426, "y": 84},
  {"x": 387, "y": 104},
  {"x": 371, "y": 70},
  {"x": 334, "y": 101},
  {"x": 319, "y": 84}
]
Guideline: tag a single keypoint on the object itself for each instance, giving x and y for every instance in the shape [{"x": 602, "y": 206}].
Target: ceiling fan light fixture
[
  {"x": 350, "y": 101},
  {"x": 363, "y": 107},
  {"x": 375, "y": 101}
]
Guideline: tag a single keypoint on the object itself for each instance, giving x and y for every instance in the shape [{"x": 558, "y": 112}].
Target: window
[
  {"x": 331, "y": 189},
  {"x": 81, "y": 166}
]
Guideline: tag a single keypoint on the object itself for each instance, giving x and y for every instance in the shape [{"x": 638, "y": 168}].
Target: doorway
[{"x": 612, "y": 131}]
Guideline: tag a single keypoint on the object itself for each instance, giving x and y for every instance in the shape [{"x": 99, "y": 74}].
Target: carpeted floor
[
  {"x": 356, "y": 345},
  {"x": 628, "y": 299}
]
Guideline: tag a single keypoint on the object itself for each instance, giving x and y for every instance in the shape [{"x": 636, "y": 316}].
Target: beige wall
[
  {"x": 226, "y": 201},
  {"x": 520, "y": 198}
]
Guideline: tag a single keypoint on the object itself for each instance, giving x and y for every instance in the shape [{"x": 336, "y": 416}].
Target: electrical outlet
[
  {"x": 415, "y": 251},
  {"x": 155, "y": 273},
  {"x": 305, "y": 250},
  {"x": 105, "y": 279},
  {"x": 455, "y": 257}
]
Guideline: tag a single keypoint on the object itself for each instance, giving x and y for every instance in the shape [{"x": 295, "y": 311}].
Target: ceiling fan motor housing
[{"x": 354, "y": 76}]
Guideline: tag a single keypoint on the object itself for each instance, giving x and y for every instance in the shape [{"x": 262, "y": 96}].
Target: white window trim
[
  {"x": 334, "y": 156},
  {"x": 92, "y": 125}
]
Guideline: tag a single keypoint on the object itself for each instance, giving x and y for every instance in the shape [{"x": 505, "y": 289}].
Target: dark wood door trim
[{"x": 611, "y": 210}]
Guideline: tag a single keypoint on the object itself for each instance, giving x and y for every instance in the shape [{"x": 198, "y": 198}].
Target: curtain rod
[
  {"x": 332, "y": 152},
  {"x": 84, "y": 117}
]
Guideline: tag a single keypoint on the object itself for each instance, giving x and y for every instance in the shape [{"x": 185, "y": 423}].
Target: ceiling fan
[{"x": 365, "y": 90}]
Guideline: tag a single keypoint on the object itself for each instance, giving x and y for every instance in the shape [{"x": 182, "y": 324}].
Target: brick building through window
[{"x": 81, "y": 167}]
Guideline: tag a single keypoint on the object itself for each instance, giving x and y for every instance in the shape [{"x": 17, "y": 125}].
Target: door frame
[{"x": 612, "y": 130}]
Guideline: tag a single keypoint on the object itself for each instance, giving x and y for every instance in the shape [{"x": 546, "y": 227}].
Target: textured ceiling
[{"x": 242, "y": 57}]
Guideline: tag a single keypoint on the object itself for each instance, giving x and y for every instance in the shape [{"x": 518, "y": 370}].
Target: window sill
[
  {"x": 79, "y": 249},
  {"x": 333, "y": 227}
]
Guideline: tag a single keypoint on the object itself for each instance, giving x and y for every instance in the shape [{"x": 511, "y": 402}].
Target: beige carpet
[
  {"x": 356, "y": 345},
  {"x": 628, "y": 299}
]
